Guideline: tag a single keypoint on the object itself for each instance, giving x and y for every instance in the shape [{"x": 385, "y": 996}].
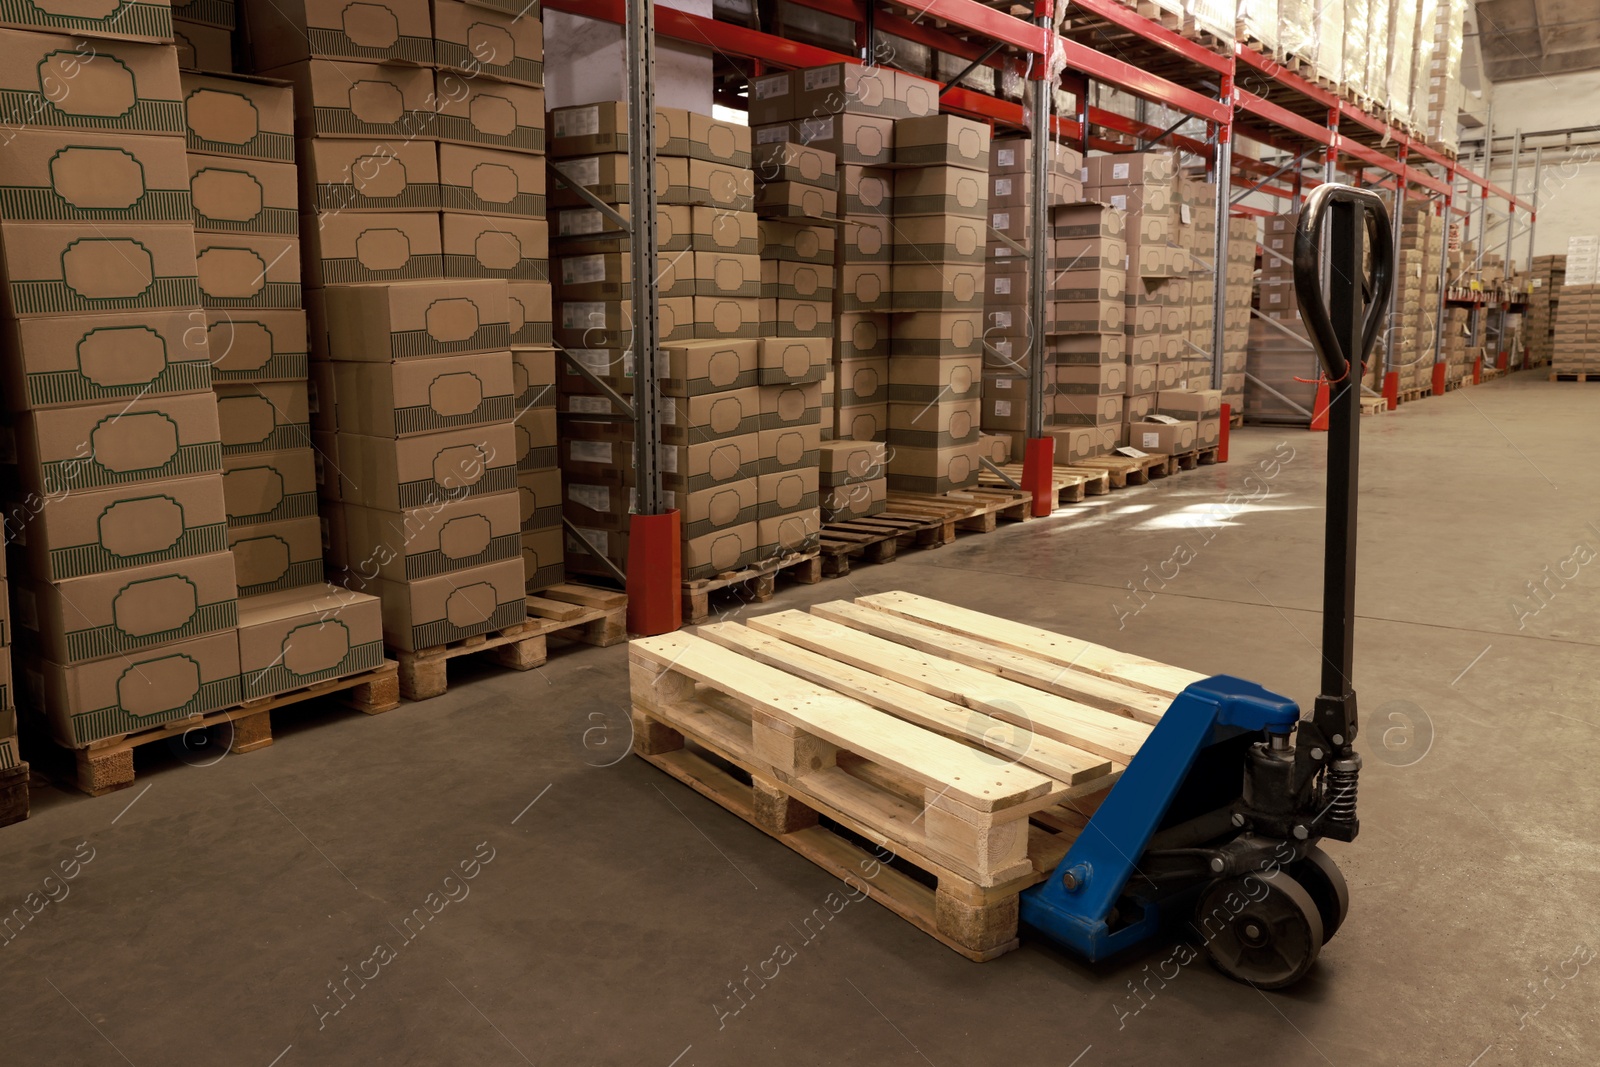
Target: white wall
[
  {"x": 1569, "y": 195},
  {"x": 586, "y": 62}
]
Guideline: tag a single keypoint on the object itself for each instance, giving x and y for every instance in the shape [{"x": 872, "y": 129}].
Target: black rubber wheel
[
  {"x": 1320, "y": 877},
  {"x": 1263, "y": 929}
]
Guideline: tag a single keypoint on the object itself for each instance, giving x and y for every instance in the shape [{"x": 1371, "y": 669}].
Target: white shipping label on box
[
  {"x": 581, "y": 315},
  {"x": 773, "y": 134},
  {"x": 1133, "y": 453},
  {"x": 578, "y": 122},
  {"x": 816, "y": 129},
  {"x": 1002, "y": 287},
  {"x": 1002, "y": 409},
  {"x": 1151, "y": 440},
  {"x": 1120, "y": 202},
  {"x": 591, "y": 451},
  {"x": 1002, "y": 186},
  {"x": 1007, "y": 158},
  {"x": 821, "y": 78},
  {"x": 579, "y": 221},
  {"x": 584, "y": 171},
  {"x": 1002, "y": 383},
  {"x": 1002, "y": 220},
  {"x": 767, "y": 88},
  {"x": 580, "y": 270},
  {"x": 1119, "y": 172},
  {"x": 589, "y": 405},
  {"x": 593, "y": 497}
]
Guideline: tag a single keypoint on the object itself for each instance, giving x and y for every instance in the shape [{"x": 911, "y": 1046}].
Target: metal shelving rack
[{"x": 1242, "y": 92}]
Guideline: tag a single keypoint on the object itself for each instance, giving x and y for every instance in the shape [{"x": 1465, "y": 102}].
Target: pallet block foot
[
  {"x": 983, "y": 928},
  {"x": 422, "y": 679},
  {"x": 522, "y": 655},
  {"x": 103, "y": 771},
  {"x": 251, "y": 732}
]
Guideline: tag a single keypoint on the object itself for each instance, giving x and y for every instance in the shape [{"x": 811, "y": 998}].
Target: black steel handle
[{"x": 1314, "y": 304}]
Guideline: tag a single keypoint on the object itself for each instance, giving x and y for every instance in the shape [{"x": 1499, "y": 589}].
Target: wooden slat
[
  {"x": 1061, "y": 762},
  {"x": 961, "y": 774},
  {"x": 1055, "y": 648},
  {"x": 587, "y": 596},
  {"x": 1104, "y": 693},
  {"x": 555, "y": 609},
  {"x": 1103, "y": 733}
]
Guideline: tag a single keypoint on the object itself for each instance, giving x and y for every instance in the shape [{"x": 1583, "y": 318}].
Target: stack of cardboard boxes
[
  {"x": 1280, "y": 352},
  {"x": 1577, "y": 333},
  {"x": 1583, "y": 259},
  {"x": 202, "y": 31},
  {"x": 709, "y": 282},
  {"x": 1416, "y": 296},
  {"x": 1456, "y": 331},
  {"x": 1545, "y": 289},
  {"x": 10, "y": 757},
  {"x": 1093, "y": 370},
  {"x": 1239, "y": 292}
]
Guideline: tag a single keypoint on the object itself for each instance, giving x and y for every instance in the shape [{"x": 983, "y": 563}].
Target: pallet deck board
[{"x": 758, "y": 580}]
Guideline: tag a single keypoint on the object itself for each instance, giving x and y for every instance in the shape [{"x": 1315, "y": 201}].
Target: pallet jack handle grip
[{"x": 1337, "y": 350}]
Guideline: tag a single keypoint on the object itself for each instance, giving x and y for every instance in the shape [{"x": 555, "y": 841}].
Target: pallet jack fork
[{"x": 1226, "y": 801}]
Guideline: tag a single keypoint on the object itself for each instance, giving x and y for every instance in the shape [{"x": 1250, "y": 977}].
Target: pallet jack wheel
[
  {"x": 1320, "y": 876},
  {"x": 1263, "y": 929}
]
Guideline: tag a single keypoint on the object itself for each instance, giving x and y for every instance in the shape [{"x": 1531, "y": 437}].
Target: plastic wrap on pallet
[
  {"x": 1422, "y": 63},
  {"x": 1216, "y": 17},
  {"x": 1378, "y": 48},
  {"x": 1297, "y": 29},
  {"x": 1357, "y": 33},
  {"x": 1402, "y": 36},
  {"x": 1444, "y": 82},
  {"x": 1258, "y": 24},
  {"x": 1330, "y": 45}
]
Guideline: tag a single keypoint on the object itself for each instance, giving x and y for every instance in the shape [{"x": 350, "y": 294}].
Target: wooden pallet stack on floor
[
  {"x": 754, "y": 584},
  {"x": 970, "y": 748},
  {"x": 577, "y": 612},
  {"x": 919, "y": 520}
]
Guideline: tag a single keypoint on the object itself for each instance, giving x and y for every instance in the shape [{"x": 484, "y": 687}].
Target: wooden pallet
[
  {"x": 971, "y": 748},
  {"x": 877, "y": 538},
  {"x": 14, "y": 794},
  {"x": 1127, "y": 470},
  {"x": 579, "y": 612},
  {"x": 755, "y": 583},
  {"x": 978, "y": 509},
  {"x": 1564, "y": 376},
  {"x": 1374, "y": 405},
  {"x": 1069, "y": 486},
  {"x": 1407, "y": 396},
  {"x": 107, "y": 765},
  {"x": 1195, "y": 457}
]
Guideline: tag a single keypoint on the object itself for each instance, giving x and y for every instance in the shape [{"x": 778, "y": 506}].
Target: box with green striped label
[
  {"x": 539, "y": 499},
  {"x": 55, "y": 82},
  {"x": 269, "y": 486},
  {"x": 99, "y": 615},
  {"x": 269, "y": 556},
  {"x": 234, "y": 115},
  {"x": 345, "y": 98},
  {"x": 378, "y": 31},
  {"x": 434, "y": 539},
  {"x": 390, "y": 175},
  {"x": 218, "y": 13},
  {"x": 298, "y": 637},
  {"x": 69, "y": 449},
  {"x": 415, "y": 319},
  {"x": 477, "y": 40},
  {"x": 57, "y": 360},
  {"x": 543, "y": 558},
  {"x": 76, "y": 534},
  {"x": 437, "y": 611},
  {"x": 203, "y": 47},
  {"x": 342, "y": 249},
  {"x": 257, "y": 345},
  {"x": 248, "y": 270},
  {"x": 495, "y": 246},
  {"x": 263, "y": 417},
  {"x": 128, "y": 20},
  {"x": 479, "y": 111},
  {"x": 130, "y": 694},
  {"x": 478, "y": 179},
  {"x": 424, "y": 395},
  {"x": 232, "y": 194},
  {"x": 92, "y": 176},
  {"x": 409, "y": 472},
  {"x": 63, "y": 268}
]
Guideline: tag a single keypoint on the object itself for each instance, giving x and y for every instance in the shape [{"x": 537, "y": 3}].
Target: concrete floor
[{"x": 221, "y": 901}]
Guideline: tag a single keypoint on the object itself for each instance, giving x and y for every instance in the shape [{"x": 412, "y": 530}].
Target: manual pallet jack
[{"x": 1220, "y": 808}]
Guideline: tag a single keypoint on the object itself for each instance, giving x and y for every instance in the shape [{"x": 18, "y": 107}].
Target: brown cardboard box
[
  {"x": 393, "y": 475},
  {"x": 75, "y": 534},
  {"x": 850, "y": 88},
  {"x": 435, "y": 539},
  {"x": 1138, "y": 407},
  {"x": 1087, "y": 221},
  {"x": 694, "y": 368},
  {"x": 799, "y": 530},
  {"x": 942, "y": 141},
  {"x": 846, "y": 462},
  {"x": 867, "y": 191},
  {"x": 940, "y": 287},
  {"x": 478, "y": 40},
  {"x": 247, "y": 270},
  {"x": 1107, "y": 315},
  {"x": 270, "y": 486},
  {"x": 724, "y": 317},
  {"x": 422, "y": 396},
  {"x": 789, "y": 280},
  {"x": 856, "y": 500},
  {"x": 792, "y": 445},
  {"x": 786, "y": 161},
  {"x": 346, "y": 175},
  {"x": 688, "y": 420},
  {"x": 202, "y": 47},
  {"x": 1155, "y": 435},
  {"x": 722, "y": 550},
  {"x": 497, "y": 114},
  {"x": 1077, "y": 442},
  {"x": 736, "y": 233},
  {"x": 343, "y": 98},
  {"x": 436, "y": 611},
  {"x": 130, "y": 694},
  {"x": 371, "y": 247},
  {"x": 784, "y": 360},
  {"x": 1192, "y": 405},
  {"x": 533, "y": 378},
  {"x": 1141, "y": 379},
  {"x": 76, "y": 360},
  {"x": 941, "y": 191},
  {"x": 56, "y": 176},
  {"x": 853, "y": 139},
  {"x": 1086, "y": 409},
  {"x": 934, "y": 470},
  {"x": 93, "y": 445},
  {"x": 866, "y": 240},
  {"x": 276, "y": 555},
  {"x": 722, "y": 275},
  {"x": 932, "y": 425},
  {"x": 862, "y": 336},
  {"x": 1079, "y": 286},
  {"x": 263, "y": 417},
  {"x": 530, "y": 312},
  {"x": 475, "y": 179},
  {"x": 772, "y": 98},
  {"x": 701, "y": 137},
  {"x": 861, "y": 422},
  {"x": 1005, "y": 404},
  {"x": 121, "y": 611},
  {"x": 1090, "y": 253},
  {"x": 924, "y": 379},
  {"x": 495, "y": 246},
  {"x": 1089, "y": 348},
  {"x": 790, "y": 405},
  {"x": 538, "y": 499},
  {"x": 704, "y": 464},
  {"x": 536, "y": 439},
  {"x": 411, "y": 319},
  {"x": 297, "y": 637},
  {"x": 55, "y": 268},
  {"x": 379, "y": 31},
  {"x": 1134, "y": 168},
  {"x": 941, "y": 238},
  {"x": 250, "y": 118},
  {"x": 113, "y": 85},
  {"x": 542, "y": 558},
  {"x": 237, "y": 195},
  {"x": 144, "y": 20},
  {"x": 705, "y": 511},
  {"x": 795, "y": 200},
  {"x": 1091, "y": 378},
  {"x": 257, "y": 346}
]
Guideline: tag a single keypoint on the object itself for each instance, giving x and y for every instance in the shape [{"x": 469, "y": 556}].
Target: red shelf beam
[{"x": 1178, "y": 45}]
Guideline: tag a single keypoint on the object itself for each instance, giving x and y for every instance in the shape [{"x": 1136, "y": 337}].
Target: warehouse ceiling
[{"x": 1533, "y": 38}]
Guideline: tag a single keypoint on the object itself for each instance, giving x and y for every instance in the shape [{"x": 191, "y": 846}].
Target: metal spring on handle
[{"x": 1343, "y": 778}]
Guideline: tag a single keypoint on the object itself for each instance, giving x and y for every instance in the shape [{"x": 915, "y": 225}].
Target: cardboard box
[
  {"x": 87, "y": 176},
  {"x": 790, "y": 405},
  {"x": 852, "y": 139},
  {"x": 1091, "y": 378},
  {"x": 264, "y": 417},
  {"x": 436, "y": 611},
  {"x": 867, "y": 191},
  {"x": 297, "y": 637},
  {"x": 418, "y": 319},
  {"x": 121, "y": 611},
  {"x": 421, "y": 396},
  {"x": 1106, "y": 315},
  {"x": 850, "y": 88},
  {"x": 1162, "y": 436},
  {"x": 393, "y": 475},
  {"x": 723, "y": 550},
  {"x": 934, "y": 425},
  {"x": 270, "y": 486},
  {"x": 536, "y": 439},
  {"x": 846, "y": 462},
  {"x": 936, "y": 287},
  {"x": 796, "y": 200},
  {"x": 862, "y": 381},
  {"x": 1086, "y": 409},
  {"x": 435, "y": 539},
  {"x": 276, "y": 555},
  {"x": 202, "y": 47},
  {"x": 1077, "y": 443},
  {"x": 1006, "y": 406},
  {"x": 786, "y": 360},
  {"x": 478, "y": 180},
  {"x": 1141, "y": 379},
  {"x": 855, "y": 500},
  {"x": 792, "y": 445},
  {"x": 538, "y": 499},
  {"x": 1087, "y": 221},
  {"x": 75, "y": 534},
  {"x": 996, "y": 448},
  {"x": 933, "y": 470},
  {"x": 694, "y": 467},
  {"x": 1192, "y": 405},
  {"x": 772, "y": 98},
  {"x": 942, "y": 141},
  {"x": 257, "y": 346},
  {"x": 495, "y": 246},
  {"x": 542, "y": 558},
  {"x": 130, "y": 694},
  {"x": 90, "y": 446},
  {"x": 936, "y": 239},
  {"x": 530, "y": 312},
  {"x": 58, "y": 268},
  {"x": 941, "y": 191},
  {"x": 371, "y": 247},
  {"x": 924, "y": 379},
  {"x": 497, "y": 114},
  {"x": 797, "y": 530},
  {"x": 250, "y": 118},
  {"x": 247, "y": 270},
  {"x": 719, "y": 507},
  {"x": 477, "y": 40},
  {"x": 342, "y": 98},
  {"x": 695, "y": 368},
  {"x": 379, "y": 31},
  {"x": 237, "y": 195},
  {"x": 787, "y": 162},
  {"x": 861, "y": 422},
  {"x": 687, "y": 420},
  {"x": 84, "y": 359},
  {"x": 862, "y": 336},
  {"x": 113, "y": 85},
  {"x": 1089, "y": 348},
  {"x": 723, "y": 317},
  {"x": 1138, "y": 407},
  {"x": 604, "y": 127},
  {"x": 533, "y": 378},
  {"x": 144, "y": 20},
  {"x": 360, "y": 175}
]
